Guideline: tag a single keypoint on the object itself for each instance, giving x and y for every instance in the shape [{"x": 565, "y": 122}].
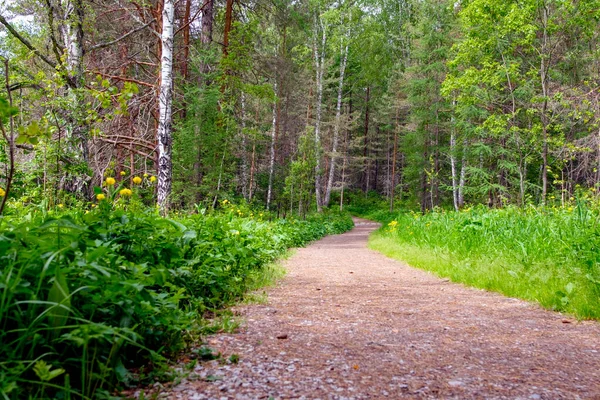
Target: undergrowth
[{"x": 95, "y": 301}]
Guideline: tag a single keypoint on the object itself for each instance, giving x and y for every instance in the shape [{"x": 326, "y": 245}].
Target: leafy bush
[{"x": 90, "y": 298}]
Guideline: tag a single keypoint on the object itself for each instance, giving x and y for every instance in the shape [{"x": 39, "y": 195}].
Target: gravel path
[{"x": 349, "y": 323}]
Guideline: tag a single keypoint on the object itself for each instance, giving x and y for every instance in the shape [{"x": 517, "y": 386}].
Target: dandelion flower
[
  {"x": 123, "y": 173},
  {"x": 2, "y": 192},
  {"x": 100, "y": 196},
  {"x": 145, "y": 175},
  {"x": 125, "y": 192},
  {"x": 61, "y": 205},
  {"x": 152, "y": 179},
  {"x": 110, "y": 181},
  {"x": 137, "y": 180}
]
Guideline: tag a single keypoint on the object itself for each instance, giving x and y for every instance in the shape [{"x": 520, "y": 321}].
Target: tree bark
[
  {"x": 228, "y": 24},
  {"x": 244, "y": 152},
  {"x": 319, "y": 71},
  {"x": 394, "y": 156},
  {"x": 165, "y": 100},
  {"x": 272, "y": 152},
  {"x": 366, "y": 172},
  {"x": 336, "y": 128}
]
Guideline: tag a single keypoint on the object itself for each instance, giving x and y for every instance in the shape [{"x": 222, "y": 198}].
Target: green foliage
[
  {"x": 299, "y": 181},
  {"x": 547, "y": 254},
  {"x": 94, "y": 301}
]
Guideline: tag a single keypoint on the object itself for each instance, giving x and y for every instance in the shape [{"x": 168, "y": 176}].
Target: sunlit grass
[{"x": 547, "y": 255}]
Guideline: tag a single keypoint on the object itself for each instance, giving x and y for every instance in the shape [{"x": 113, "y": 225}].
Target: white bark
[
  {"x": 244, "y": 155},
  {"x": 453, "y": 163},
  {"x": 336, "y": 128},
  {"x": 165, "y": 100},
  {"x": 73, "y": 40},
  {"x": 272, "y": 153},
  {"x": 319, "y": 70},
  {"x": 463, "y": 172},
  {"x": 453, "y": 167}
]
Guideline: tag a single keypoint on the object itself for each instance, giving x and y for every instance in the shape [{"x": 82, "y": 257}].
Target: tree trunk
[
  {"x": 165, "y": 101},
  {"x": 272, "y": 153},
  {"x": 366, "y": 172},
  {"x": 463, "y": 173},
  {"x": 244, "y": 152},
  {"x": 319, "y": 70},
  {"x": 228, "y": 24},
  {"x": 72, "y": 33},
  {"x": 394, "y": 155},
  {"x": 251, "y": 184},
  {"x": 336, "y": 128},
  {"x": 544, "y": 114}
]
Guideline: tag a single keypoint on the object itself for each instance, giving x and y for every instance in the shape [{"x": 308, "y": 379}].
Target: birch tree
[
  {"x": 165, "y": 101},
  {"x": 338, "y": 114},
  {"x": 319, "y": 53},
  {"x": 272, "y": 150}
]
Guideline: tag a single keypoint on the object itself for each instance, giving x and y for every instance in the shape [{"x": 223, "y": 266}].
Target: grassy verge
[{"x": 547, "y": 255}]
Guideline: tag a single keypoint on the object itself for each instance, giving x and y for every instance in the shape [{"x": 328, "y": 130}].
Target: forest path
[{"x": 353, "y": 324}]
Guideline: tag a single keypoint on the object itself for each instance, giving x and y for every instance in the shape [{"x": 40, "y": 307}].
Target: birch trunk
[
  {"x": 453, "y": 168},
  {"x": 272, "y": 152},
  {"x": 244, "y": 155},
  {"x": 463, "y": 172},
  {"x": 165, "y": 101},
  {"x": 72, "y": 36},
  {"x": 319, "y": 69},
  {"x": 544, "y": 62},
  {"x": 336, "y": 128},
  {"x": 394, "y": 157}
]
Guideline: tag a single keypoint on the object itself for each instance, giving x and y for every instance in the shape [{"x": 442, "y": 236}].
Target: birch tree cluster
[{"x": 303, "y": 105}]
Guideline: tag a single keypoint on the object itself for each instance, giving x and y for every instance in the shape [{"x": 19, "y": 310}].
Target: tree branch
[
  {"x": 26, "y": 42},
  {"x": 192, "y": 19},
  {"x": 117, "y": 40}
]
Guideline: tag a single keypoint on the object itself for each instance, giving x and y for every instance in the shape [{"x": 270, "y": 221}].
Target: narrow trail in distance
[{"x": 349, "y": 323}]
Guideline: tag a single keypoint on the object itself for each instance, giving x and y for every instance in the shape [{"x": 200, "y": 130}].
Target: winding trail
[{"x": 353, "y": 324}]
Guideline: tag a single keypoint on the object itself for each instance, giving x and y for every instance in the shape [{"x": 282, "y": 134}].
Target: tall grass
[{"x": 549, "y": 255}]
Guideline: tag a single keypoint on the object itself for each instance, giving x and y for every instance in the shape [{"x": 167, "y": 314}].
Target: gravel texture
[{"x": 349, "y": 323}]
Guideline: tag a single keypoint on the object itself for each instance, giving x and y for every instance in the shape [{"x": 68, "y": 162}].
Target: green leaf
[
  {"x": 59, "y": 295},
  {"x": 44, "y": 371}
]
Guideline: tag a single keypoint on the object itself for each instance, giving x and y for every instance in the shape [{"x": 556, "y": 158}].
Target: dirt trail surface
[{"x": 353, "y": 324}]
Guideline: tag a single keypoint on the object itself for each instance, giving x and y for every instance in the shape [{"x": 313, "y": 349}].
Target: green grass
[{"x": 547, "y": 255}]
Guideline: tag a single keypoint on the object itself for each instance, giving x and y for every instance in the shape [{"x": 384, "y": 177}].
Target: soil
[{"x": 348, "y": 323}]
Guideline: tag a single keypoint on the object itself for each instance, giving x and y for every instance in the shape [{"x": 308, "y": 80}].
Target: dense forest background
[{"x": 290, "y": 103}]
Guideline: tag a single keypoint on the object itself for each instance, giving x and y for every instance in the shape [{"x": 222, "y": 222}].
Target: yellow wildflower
[
  {"x": 145, "y": 175},
  {"x": 100, "y": 196},
  {"x": 61, "y": 205},
  {"x": 152, "y": 179},
  {"x": 2, "y": 192},
  {"x": 123, "y": 173},
  {"x": 125, "y": 192},
  {"x": 110, "y": 181},
  {"x": 137, "y": 180}
]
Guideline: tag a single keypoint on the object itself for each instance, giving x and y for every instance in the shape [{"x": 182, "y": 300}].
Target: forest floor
[{"x": 349, "y": 323}]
